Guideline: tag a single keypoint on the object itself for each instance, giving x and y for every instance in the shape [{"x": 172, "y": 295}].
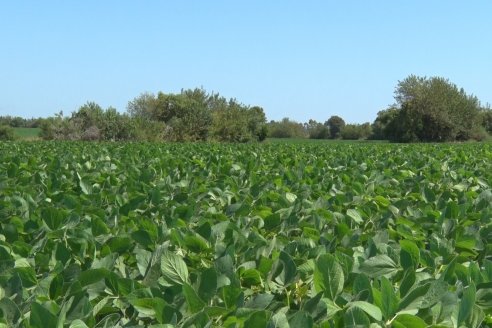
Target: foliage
[
  {"x": 433, "y": 109},
  {"x": 256, "y": 235},
  {"x": 195, "y": 115},
  {"x": 286, "y": 128},
  {"x": 90, "y": 122},
  {"x": 356, "y": 131},
  {"x": 317, "y": 130},
  {"x": 486, "y": 118},
  {"x": 19, "y": 122},
  {"x": 6, "y": 133},
  {"x": 385, "y": 124},
  {"x": 335, "y": 123}
]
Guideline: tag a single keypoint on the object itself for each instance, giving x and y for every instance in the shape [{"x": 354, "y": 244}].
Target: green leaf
[
  {"x": 356, "y": 318},
  {"x": 27, "y": 276},
  {"x": 413, "y": 300},
  {"x": 174, "y": 268},
  {"x": 92, "y": 276},
  {"x": 251, "y": 277},
  {"x": 288, "y": 273},
  {"x": 407, "y": 282},
  {"x": 195, "y": 304},
  {"x": 301, "y": 319},
  {"x": 408, "y": 321},
  {"x": 53, "y": 217},
  {"x": 368, "y": 308},
  {"x": 389, "y": 300},
  {"x": 85, "y": 186},
  {"x": 120, "y": 244},
  {"x": 409, "y": 254},
  {"x": 466, "y": 303},
  {"x": 78, "y": 324},
  {"x": 328, "y": 276},
  {"x": 208, "y": 284},
  {"x": 290, "y": 197},
  {"x": 272, "y": 221},
  {"x": 41, "y": 317},
  {"x": 257, "y": 319},
  {"x": 279, "y": 320},
  {"x": 9, "y": 311},
  {"x": 379, "y": 265},
  {"x": 354, "y": 215}
]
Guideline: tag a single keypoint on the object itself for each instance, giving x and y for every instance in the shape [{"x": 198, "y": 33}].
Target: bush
[{"x": 6, "y": 133}]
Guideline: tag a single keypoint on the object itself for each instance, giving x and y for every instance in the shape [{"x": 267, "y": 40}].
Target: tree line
[
  {"x": 425, "y": 110},
  {"x": 191, "y": 115}
]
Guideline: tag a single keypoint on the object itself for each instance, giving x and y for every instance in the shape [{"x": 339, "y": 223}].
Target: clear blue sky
[{"x": 297, "y": 59}]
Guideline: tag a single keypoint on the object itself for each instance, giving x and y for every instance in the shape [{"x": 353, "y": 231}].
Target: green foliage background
[{"x": 257, "y": 235}]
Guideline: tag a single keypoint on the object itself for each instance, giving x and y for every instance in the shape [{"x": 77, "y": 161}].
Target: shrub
[{"x": 6, "y": 133}]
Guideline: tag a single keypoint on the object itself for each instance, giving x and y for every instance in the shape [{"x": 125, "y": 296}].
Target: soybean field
[{"x": 256, "y": 235}]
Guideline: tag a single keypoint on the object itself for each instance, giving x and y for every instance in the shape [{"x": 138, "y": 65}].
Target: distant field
[
  {"x": 304, "y": 140},
  {"x": 27, "y": 133}
]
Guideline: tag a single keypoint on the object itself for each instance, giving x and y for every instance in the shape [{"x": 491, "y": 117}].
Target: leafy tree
[
  {"x": 384, "y": 126},
  {"x": 286, "y": 129},
  {"x": 433, "y": 109},
  {"x": 143, "y": 106},
  {"x": 356, "y": 131},
  {"x": 6, "y": 133},
  {"x": 317, "y": 130},
  {"x": 335, "y": 123},
  {"x": 486, "y": 118}
]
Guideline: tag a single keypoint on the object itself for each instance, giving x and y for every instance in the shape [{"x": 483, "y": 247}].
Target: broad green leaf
[
  {"x": 195, "y": 304},
  {"x": 466, "y": 304},
  {"x": 369, "y": 309},
  {"x": 354, "y": 215},
  {"x": 41, "y": 317},
  {"x": 356, "y": 318},
  {"x": 9, "y": 311},
  {"x": 208, "y": 284},
  {"x": 53, "y": 217},
  {"x": 289, "y": 269},
  {"x": 301, "y": 319},
  {"x": 92, "y": 276},
  {"x": 251, "y": 277},
  {"x": 389, "y": 300},
  {"x": 409, "y": 254},
  {"x": 414, "y": 298},
  {"x": 120, "y": 244},
  {"x": 408, "y": 321},
  {"x": 379, "y": 265},
  {"x": 328, "y": 276},
  {"x": 78, "y": 324},
  {"x": 174, "y": 268},
  {"x": 257, "y": 319},
  {"x": 279, "y": 320}
]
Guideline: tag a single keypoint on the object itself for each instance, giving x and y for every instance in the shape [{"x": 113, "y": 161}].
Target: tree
[
  {"x": 335, "y": 123},
  {"x": 356, "y": 131},
  {"x": 286, "y": 129},
  {"x": 433, "y": 109},
  {"x": 142, "y": 107},
  {"x": 486, "y": 118},
  {"x": 317, "y": 130},
  {"x": 6, "y": 133},
  {"x": 384, "y": 125}
]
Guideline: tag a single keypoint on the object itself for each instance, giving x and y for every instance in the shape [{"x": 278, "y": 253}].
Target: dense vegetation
[
  {"x": 426, "y": 110},
  {"x": 257, "y": 235},
  {"x": 192, "y": 115}
]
